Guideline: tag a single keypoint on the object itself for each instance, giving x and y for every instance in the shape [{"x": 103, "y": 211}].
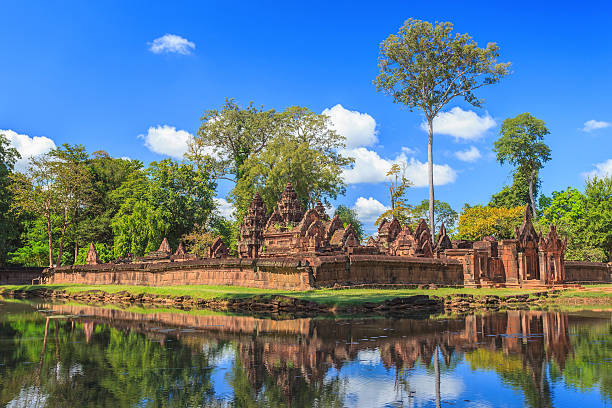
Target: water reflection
[{"x": 73, "y": 355}]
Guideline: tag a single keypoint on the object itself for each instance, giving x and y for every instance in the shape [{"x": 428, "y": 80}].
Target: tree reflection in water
[{"x": 109, "y": 357}]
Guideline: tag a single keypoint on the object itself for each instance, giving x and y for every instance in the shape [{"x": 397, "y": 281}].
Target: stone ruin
[
  {"x": 291, "y": 230},
  {"x": 92, "y": 256},
  {"x": 528, "y": 258},
  {"x": 310, "y": 235}
]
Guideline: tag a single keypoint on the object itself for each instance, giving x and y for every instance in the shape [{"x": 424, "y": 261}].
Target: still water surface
[{"x": 69, "y": 355}]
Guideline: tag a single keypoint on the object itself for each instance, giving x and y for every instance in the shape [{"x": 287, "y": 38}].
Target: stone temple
[{"x": 297, "y": 248}]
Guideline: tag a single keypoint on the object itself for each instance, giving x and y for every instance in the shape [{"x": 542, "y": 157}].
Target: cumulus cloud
[
  {"x": 224, "y": 208},
  {"x": 167, "y": 140},
  {"x": 369, "y": 209},
  {"x": 451, "y": 388},
  {"x": 591, "y": 125},
  {"x": 371, "y": 168},
  {"x": 358, "y": 128},
  {"x": 27, "y": 146},
  {"x": 470, "y": 155},
  {"x": 601, "y": 170},
  {"x": 171, "y": 43},
  {"x": 462, "y": 125}
]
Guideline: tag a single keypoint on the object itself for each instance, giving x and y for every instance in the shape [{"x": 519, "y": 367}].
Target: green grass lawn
[{"x": 339, "y": 297}]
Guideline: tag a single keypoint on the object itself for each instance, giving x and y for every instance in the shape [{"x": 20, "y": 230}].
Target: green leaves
[
  {"x": 168, "y": 200},
  {"x": 425, "y": 66},
  {"x": 520, "y": 143},
  {"x": 8, "y": 227},
  {"x": 228, "y": 136},
  {"x": 349, "y": 216},
  {"x": 304, "y": 151},
  {"x": 479, "y": 221}
]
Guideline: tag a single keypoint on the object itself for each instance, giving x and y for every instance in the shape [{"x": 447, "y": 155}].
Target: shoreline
[{"x": 321, "y": 302}]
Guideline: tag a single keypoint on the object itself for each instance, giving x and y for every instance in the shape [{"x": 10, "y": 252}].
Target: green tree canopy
[
  {"x": 54, "y": 185},
  {"x": 8, "y": 227},
  {"x": 444, "y": 214},
  {"x": 230, "y": 135},
  {"x": 584, "y": 218},
  {"x": 349, "y": 216},
  {"x": 479, "y": 221},
  {"x": 305, "y": 152},
  {"x": 168, "y": 200},
  {"x": 521, "y": 144},
  {"x": 425, "y": 66},
  {"x": 516, "y": 194}
]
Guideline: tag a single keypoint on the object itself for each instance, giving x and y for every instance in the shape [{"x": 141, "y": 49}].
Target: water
[{"x": 69, "y": 355}]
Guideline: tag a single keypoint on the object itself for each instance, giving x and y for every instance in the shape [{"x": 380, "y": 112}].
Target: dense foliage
[
  {"x": 479, "y": 221},
  {"x": 69, "y": 199},
  {"x": 584, "y": 218},
  {"x": 425, "y": 66},
  {"x": 521, "y": 144},
  {"x": 261, "y": 151},
  {"x": 8, "y": 224},
  {"x": 349, "y": 216}
]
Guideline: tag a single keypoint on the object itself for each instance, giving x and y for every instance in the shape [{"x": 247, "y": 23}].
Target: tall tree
[
  {"x": 425, "y": 66},
  {"x": 69, "y": 164},
  {"x": 521, "y": 145},
  {"x": 107, "y": 174},
  {"x": 305, "y": 152},
  {"x": 230, "y": 135},
  {"x": 516, "y": 194},
  {"x": 36, "y": 193},
  {"x": 54, "y": 186},
  {"x": 8, "y": 158},
  {"x": 168, "y": 200},
  {"x": 398, "y": 184}
]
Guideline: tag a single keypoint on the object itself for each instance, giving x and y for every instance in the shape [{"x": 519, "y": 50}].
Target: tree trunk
[
  {"x": 430, "y": 174},
  {"x": 76, "y": 249},
  {"x": 437, "y": 373},
  {"x": 61, "y": 243},
  {"x": 531, "y": 199},
  {"x": 48, "y": 216}
]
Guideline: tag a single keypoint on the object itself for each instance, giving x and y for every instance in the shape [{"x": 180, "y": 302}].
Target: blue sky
[{"x": 92, "y": 73}]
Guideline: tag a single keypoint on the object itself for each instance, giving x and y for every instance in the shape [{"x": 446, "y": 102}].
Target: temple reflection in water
[{"x": 201, "y": 359}]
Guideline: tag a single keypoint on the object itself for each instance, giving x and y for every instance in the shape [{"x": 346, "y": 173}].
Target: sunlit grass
[{"x": 324, "y": 296}]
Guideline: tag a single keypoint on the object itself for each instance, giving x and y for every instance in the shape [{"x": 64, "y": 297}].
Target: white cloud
[
  {"x": 460, "y": 124},
  {"x": 381, "y": 390},
  {"x": 167, "y": 140},
  {"x": 601, "y": 170},
  {"x": 409, "y": 151},
  {"x": 470, "y": 155},
  {"x": 224, "y": 208},
  {"x": 358, "y": 128},
  {"x": 27, "y": 146},
  {"x": 371, "y": 168},
  {"x": 369, "y": 209},
  {"x": 171, "y": 43},
  {"x": 591, "y": 125}
]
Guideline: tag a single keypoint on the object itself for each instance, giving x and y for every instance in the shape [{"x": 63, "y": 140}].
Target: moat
[{"x": 72, "y": 355}]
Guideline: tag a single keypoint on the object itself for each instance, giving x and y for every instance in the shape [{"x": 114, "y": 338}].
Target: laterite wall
[
  {"x": 587, "y": 271},
  {"x": 18, "y": 276},
  {"x": 382, "y": 269},
  {"x": 280, "y": 273}
]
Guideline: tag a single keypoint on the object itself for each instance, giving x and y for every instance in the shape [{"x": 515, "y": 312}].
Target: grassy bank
[{"x": 336, "y": 297}]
